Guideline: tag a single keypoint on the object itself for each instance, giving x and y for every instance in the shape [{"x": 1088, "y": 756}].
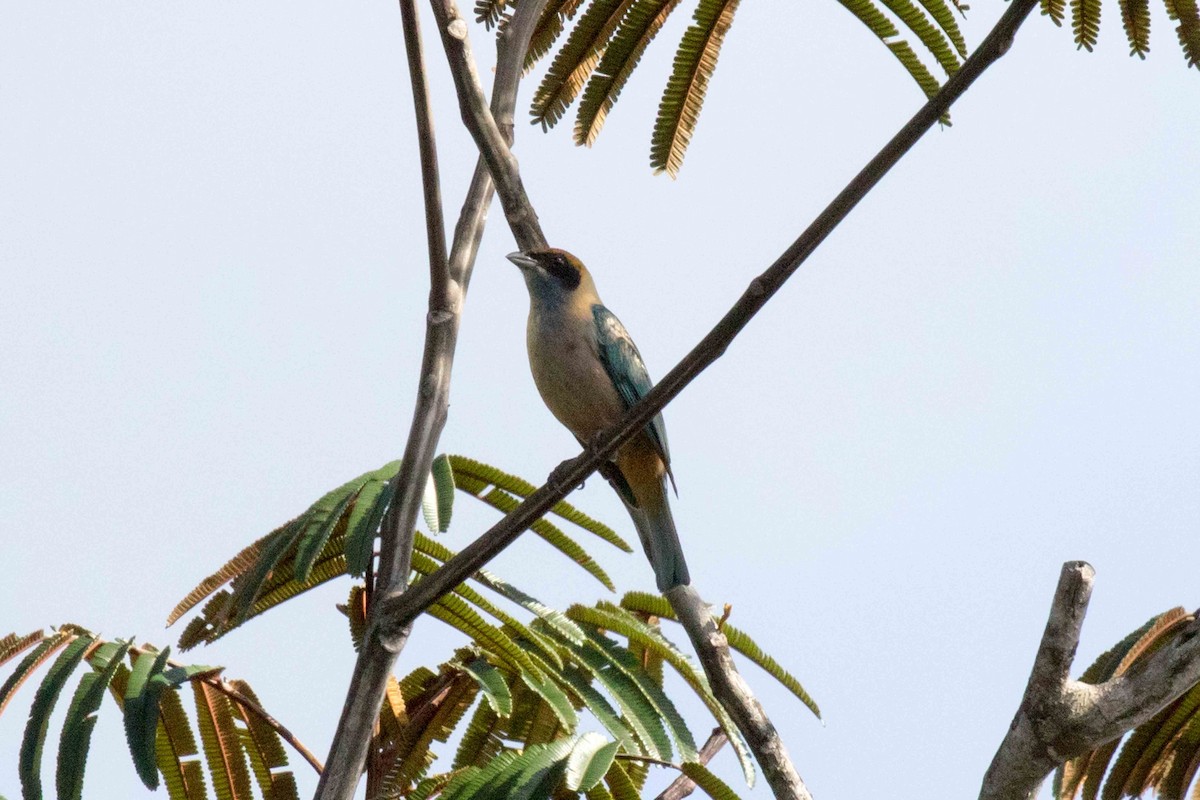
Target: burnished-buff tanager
[{"x": 589, "y": 372}]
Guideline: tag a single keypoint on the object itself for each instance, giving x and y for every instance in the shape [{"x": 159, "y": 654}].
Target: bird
[{"x": 589, "y": 373}]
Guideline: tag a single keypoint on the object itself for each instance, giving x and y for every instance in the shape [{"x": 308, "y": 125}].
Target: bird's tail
[{"x": 660, "y": 540}]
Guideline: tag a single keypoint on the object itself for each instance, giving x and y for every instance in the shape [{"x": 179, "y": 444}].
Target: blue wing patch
[{"x": 625, "y": 368}]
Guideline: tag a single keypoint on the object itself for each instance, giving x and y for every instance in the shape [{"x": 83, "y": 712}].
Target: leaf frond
[
  {"x": 13, "y": 645},
  {"x": 712, "y": 786},
  {"x": 30, "y": 762},
  {"x": 481, "y": 740},
  {"x": 944, "y": 16},
  {"x": 449, "y": 706},
  {"x": 81, "y": 719},
  {"x": 1187, "y": 14},
  {"x": 174, "y": 742},
  {"x": 489, "y": 12},
  {"x": 620, "y": 784},
  {"x": 262, "y": 745},
  {"x": 740, "y": 641},
  {"x": 663, "y": 706},
  {"x": 1160, "y": 754},
  {"x": 636, "y": 708},
  {"x": 1135, "y": 17},
  {"x": 1085, "y": 23},
  {"x": 438, "y": 503},
  {"x": 505, "y": 502},
  {"x": 45, "y": 650},
  {"x": 695, "y": 61},
  {"x": 932, "y": 38},
  {"x": 637, "y": 29},
  {"x": 221, "y": 743},
  {"x": 548, "y": 29},
  {"x": 466, "y": 468},
  {"x": 576, "y": 59}
]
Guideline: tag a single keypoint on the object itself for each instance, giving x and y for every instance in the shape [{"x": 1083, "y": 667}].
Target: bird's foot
[
  {"x": 558, "y": 476},
  {"x": 596, "y": 443}
]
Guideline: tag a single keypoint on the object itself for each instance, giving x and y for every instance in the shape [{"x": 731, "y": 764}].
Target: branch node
[{"x": 457, "y": 29}]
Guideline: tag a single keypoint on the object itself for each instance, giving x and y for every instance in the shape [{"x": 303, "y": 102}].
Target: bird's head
[{"x": 552, "y": 273}]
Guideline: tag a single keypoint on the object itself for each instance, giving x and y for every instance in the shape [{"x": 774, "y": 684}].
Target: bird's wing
[{"x": 627, "y": 371}]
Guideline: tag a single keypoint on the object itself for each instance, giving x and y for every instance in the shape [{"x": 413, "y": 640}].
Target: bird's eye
[{"x": 561, "y": 269}]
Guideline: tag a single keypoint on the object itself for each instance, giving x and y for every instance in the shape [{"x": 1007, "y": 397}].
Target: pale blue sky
[{"x": 213, "y": 291}]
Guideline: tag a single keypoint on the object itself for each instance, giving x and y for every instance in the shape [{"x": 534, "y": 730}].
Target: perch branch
[{"x": 1059, "y": 718}]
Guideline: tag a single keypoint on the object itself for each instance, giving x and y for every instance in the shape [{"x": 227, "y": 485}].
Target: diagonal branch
[
  {"x": 481, "y": 122},
  {"x": 731, "y": 690},
  {"x": 1059, "y": 718}
]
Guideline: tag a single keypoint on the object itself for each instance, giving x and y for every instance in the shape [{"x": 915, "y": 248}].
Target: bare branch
[
  {"x": 449, "y": 279},
  {"x": 1025, "y": 757},
  {"x": 730, "y": 688},
  {"x": 1059, "y": 719},
  {"x": 251, "y": 707},
  {"x": 368, "y": 683}
]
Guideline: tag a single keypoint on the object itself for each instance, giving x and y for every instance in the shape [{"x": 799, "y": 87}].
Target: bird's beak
[{"x": 521, "y": 260}]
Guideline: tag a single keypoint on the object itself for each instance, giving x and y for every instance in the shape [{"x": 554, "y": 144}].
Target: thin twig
[
  {"x": 444, "y": 304},
  {"x": 1059, "y": 719},
  {"x": 223, "y": 686},
  {"x": 683, "y": 786},
  {"x": 260, "y": 712},
  {"x": 716, "y": 740},
  {"x": 433, "y": 395}
]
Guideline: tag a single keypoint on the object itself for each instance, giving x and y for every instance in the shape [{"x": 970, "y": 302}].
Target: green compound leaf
[
  {"x": 142, "y": 695},
  {"x": 438, "y": 502},
  {"x": 30, "y": 766},
  {"x": 81, "y": 719},
  {"x": 492, "y": 684},
  {"x": 590, "y": 758}
]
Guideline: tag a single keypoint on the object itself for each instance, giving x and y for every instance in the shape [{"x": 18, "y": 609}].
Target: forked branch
[
  {"x": 1059, "y": 718},
  {"x": 449, "y": 278}
]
